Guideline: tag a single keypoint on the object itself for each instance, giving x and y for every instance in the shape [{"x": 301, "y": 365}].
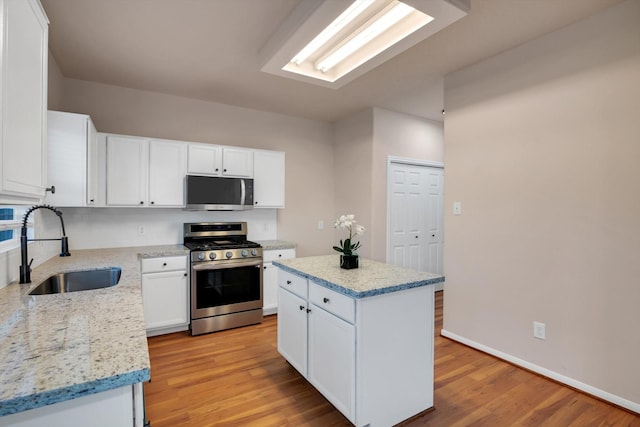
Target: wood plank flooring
[{"x": 237, "y": 378}]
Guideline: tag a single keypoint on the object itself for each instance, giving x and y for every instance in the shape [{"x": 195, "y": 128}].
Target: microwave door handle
[{"x": 242, "y": 191}]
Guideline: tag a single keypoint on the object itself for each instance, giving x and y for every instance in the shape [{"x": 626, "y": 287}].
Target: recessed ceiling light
[
  {"x": 362, "y": 31},
  {"x": 330, "y": 43}
]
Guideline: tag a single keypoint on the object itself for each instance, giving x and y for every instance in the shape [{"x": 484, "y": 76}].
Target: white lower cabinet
[
  {"x": 332, "y": 350},
  {"x": 111, "y": 408},
  {"x": 372, "y": 357},
  {"x": 165, "y": 294},
  {"x": 292, "y": 329},
  {"x": 270, "y": 277}
]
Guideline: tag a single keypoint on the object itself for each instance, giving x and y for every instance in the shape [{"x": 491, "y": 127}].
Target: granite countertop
[
  {"x": 62, "y": 346},
  {"x": 371, "y": 278},
  {"x": 274, "y": 245}
]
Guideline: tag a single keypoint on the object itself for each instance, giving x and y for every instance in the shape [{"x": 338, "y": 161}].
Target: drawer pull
[
  {"x": 325, "y": 300},
  {"x": 302, "y": 307},
  {"x": 288, "y": 282},
  {"x": 308, "y": 310},
  {"x": 164, "y": 264}
]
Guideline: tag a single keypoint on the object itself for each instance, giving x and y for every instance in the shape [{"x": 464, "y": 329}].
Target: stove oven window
[{"x": 227, "y": 286}]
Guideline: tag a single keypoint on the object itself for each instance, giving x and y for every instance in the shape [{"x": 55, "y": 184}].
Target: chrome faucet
[{"x": 25, "y": 267}]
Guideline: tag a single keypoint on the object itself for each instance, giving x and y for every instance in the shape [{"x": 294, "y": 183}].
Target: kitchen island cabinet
[{"x": 362, "y": 337}]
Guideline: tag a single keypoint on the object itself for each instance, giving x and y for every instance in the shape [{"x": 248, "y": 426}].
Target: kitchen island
[
  {"x": 78, "y": 350},
  {"x": 362, "y": 337}
]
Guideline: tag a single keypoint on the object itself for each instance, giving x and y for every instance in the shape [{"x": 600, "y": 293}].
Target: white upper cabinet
[
  {"x": 127, "y": 163},
  {"x": 204, "y": 159},
  {"x": 72, "y": 166},
  {"x": 23, "y": 76},
  {"x": 237, "y": 162},
  {"x": 268, "y": 179},
  {"x": 145, "y": 173},
  {"x": 167, "y": 168},
  {"x": 214, "y": 160}
]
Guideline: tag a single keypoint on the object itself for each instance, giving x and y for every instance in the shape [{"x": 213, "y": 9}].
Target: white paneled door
[{"x": 415, "y": 198}]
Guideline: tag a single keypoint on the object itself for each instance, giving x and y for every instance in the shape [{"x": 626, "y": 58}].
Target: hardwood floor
[{"x": 237, "y": 378}]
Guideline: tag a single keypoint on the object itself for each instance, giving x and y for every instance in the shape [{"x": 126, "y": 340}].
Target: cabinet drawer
[
  {"x": 293, "y": 283},
  {"x": 274, "y": 255},
  {"x": 335, "y": 303},
  {"x": 155, "y": 265}
]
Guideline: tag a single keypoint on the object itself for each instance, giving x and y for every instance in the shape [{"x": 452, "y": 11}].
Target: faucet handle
[{"x": 29, "y": 265}]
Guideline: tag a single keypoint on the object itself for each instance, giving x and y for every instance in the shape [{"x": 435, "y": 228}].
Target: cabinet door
[
  {"x": 126, "y": 171},
  {"x": 92, "y": 163},
  {"x": 332, "y": 359},
  {"x": 292, "y": 329},
  {"x": 204, "y": 159},
  {"x": 237, "y": 162},
  {"x": 72, "y": 164},
  {"x": 270, "y": 289},
  {"x": 167, "y": 168},
  {"x": 268, "y": 179},
  {"x": 67, "y": 158},
  {"x": 164, "y": 297},
  {"x": 23, "y": 138}
]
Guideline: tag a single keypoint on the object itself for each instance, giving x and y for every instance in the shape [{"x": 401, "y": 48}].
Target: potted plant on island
[{"x": 349, "y": 257}]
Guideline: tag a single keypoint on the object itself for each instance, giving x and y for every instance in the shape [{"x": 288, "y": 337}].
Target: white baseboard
[{"x": 604, "y": 395}]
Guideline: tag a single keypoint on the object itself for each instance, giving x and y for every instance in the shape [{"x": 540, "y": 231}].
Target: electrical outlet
[
  {"x": 539, "y": 330},
  {"x": 320, "y": 225},
  {"x": 141, "y": 230}
]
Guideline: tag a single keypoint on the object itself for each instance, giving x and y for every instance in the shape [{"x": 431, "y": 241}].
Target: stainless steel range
[{"x": 226, "y": 276}]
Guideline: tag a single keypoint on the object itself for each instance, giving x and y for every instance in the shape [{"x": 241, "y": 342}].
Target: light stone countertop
[
  {"x": 275, "y": 245},
  {"x": 369, "y": 279},
  {"x": 62, "y": 346}
]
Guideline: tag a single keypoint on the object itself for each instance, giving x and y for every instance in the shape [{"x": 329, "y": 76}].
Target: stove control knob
[
  {"x": 212, "y": 255},
  {"x": 244, "y": 253},
  {"x": 200, "y": 257},
  {"x": 254, "y": 252},
  {"x": 228, "y": 254}
]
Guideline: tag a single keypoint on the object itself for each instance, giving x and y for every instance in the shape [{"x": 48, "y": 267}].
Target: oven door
[{"x": 223, "y": 287}]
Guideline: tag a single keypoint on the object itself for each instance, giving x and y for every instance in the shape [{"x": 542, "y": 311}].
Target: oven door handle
[{"x": 222, "y": 264}]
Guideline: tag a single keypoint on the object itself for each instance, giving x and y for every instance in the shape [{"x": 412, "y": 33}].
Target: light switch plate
[{"x": 457, "y": 208}]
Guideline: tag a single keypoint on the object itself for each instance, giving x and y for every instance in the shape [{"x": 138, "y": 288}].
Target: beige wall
[
  {"x": 543, "y": 151},
  {"x": 353, "y": 156},
  {"x": 308, "y": 145},
  {"x": 398, "y": 135},
  {"x": 363, "y": 143},
  {"x": 55, "y": 85}
]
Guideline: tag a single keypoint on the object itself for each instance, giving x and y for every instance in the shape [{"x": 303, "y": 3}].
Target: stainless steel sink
[{"x": 81, "y": 280}]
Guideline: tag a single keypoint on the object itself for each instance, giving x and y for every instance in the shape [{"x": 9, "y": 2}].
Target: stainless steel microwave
[{"x": 215, "y": 193}]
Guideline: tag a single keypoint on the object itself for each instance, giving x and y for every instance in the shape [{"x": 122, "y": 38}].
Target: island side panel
[{"x": 394, "y": 356}]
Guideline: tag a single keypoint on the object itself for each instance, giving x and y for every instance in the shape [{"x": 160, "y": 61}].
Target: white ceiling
[{"x": 210, "y": 50}]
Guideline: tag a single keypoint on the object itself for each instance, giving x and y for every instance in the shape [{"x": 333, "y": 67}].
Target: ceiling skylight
[{"x": 332, "y": 42}]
